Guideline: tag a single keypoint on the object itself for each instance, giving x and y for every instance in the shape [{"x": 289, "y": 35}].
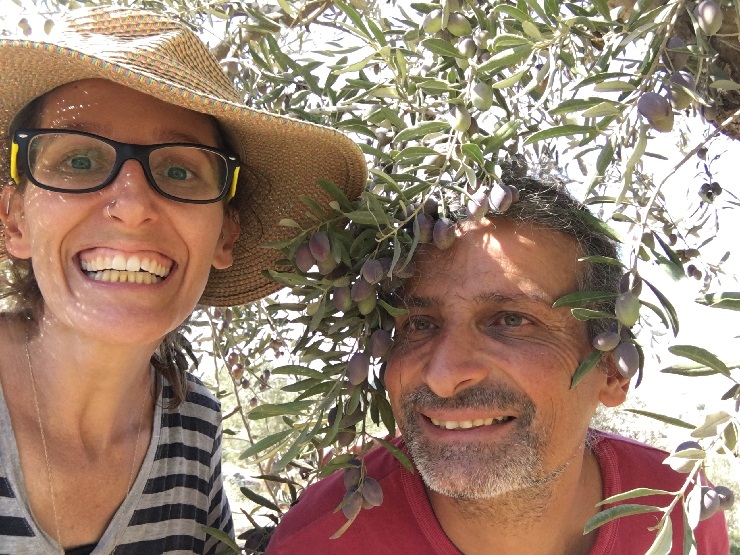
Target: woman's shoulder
[{"x": 199, "y": 398}]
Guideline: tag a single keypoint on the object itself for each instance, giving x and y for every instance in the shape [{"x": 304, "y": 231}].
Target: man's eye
[
  {"x": 419, "y": 324},
  {"x": 512, "y": 320}
]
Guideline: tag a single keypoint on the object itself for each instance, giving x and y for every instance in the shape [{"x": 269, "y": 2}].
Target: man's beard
[{"x": 477, "y": 469}]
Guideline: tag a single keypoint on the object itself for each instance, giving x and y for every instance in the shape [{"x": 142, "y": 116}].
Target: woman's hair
[{"x": 20, "y": 293}]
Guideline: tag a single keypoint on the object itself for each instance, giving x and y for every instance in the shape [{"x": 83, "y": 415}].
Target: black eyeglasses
[{"x": 67, "y": 161}]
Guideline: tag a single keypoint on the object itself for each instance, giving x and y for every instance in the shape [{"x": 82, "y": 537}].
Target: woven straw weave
[{"x": 283, "y": 158}]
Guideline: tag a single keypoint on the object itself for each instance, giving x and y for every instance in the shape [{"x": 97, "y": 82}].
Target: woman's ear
[
  {"x": 614, "y": 390},
  {"x": 11, "y": 214},
  {"x": 223, "y": 257}
]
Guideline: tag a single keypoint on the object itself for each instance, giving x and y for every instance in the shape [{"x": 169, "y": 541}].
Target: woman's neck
[{"x": 91, "y": 388}]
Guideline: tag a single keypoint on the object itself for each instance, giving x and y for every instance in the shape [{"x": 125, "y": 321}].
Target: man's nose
[
  {"x": 455, "y": 363},
  {"x": 135, "y": 199}
]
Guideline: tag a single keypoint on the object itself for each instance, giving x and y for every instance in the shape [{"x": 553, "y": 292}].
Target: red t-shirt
[{"x": 406, "y": 524}]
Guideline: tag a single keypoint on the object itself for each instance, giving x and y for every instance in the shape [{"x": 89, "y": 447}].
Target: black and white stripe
[{"x": 179, "y": 490}]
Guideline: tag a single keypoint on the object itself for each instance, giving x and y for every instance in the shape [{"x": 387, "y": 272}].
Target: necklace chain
[{"x": 46, "y": 451}]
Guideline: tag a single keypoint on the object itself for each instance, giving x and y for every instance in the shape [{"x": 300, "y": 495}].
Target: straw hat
[{"x": 282, "y": 158}]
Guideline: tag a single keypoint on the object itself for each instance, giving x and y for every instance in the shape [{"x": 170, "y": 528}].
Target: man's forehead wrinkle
[{"x": 535, "y": 296}]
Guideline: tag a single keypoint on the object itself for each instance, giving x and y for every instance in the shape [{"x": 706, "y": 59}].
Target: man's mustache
[{"x": 485, "y": 396}]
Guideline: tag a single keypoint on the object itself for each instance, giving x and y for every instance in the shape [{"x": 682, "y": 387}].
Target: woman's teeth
[
  {"x": 125, "y": 269},
  {"x": 465, "y": 424}
]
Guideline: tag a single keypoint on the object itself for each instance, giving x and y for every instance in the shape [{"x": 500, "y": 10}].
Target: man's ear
[
  {"x": 614, "y": 390},
  {"x": 11, "y": 214},
  {"x": 223, "y": 257}
]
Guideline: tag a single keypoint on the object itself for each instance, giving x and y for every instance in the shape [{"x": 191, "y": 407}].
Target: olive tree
[{"x": 452, "y": 102}]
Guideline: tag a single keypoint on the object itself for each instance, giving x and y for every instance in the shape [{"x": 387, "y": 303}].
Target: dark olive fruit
[
  {"x": 372, "y": 270},
  {"x": 362, "y": 289},
  {"x": 327, "y": 266},
  {"x": 304, "y": 260},
  {"x": 342, "y": 298},
  {"x": 627, "y": 359},
  {"x": 233, "y": 358},
  {"x": 345, "y": 438},
  {"x": 687, "y": 445},
  {"x": 353, "y": 504},
  {"x": 627, "y": 308},
  {"x": 352, "y": 475},
  {"x": 606, "y": 341},
  {"x": 514, "y": 194},
  {"x": 380, "y": 343},
  {"x": 237, "y": 371},
  {"x": 701, "y": 154},
  {"x": 481, "y": 37},
  {"x": 431, "y": 205},
  {"x": 709, "y": 502},
  {"x": 678, "y": 60},
  {"x": 500, "y": 197},
  {"x": 358, "y": 368},
  {"x": 726, "y": 497},
  {"x": 466, "y": 47},
  {"x": 648, "y": 240},
  {"x": 477, "y": 204},
  {"x": 657, "y": 110},
  {"x": 244, "y": 383},
  {"x": 444, "y": 233},
  {"x": 680, "y": 82},
  {"x": 426, "y": 228},
  {"x": 253, "y": 402},
  {"x": 709, "y": 113},
  {"x": 372, "y": 492},
  {"x": 331, "y": 416},
  {"x": 320, "y": 246},
  {"x": 708, "y": 16}
]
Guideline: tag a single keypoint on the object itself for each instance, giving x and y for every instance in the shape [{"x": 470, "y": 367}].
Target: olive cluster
[
  {"x": 624, "y": 351},
  {"x": 363, "y": 492},
  {"x": 709, "y": 498},
  {"x": 680, "y": 87}
]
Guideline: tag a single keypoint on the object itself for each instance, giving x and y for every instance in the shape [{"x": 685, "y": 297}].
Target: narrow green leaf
[
  {"x": 721, "y": 300},
  {"x": 670, "y": 311},
  {"x": 223, "y": 537},
  {"x": 264, "y": 443},
  {"x": 474, "y": 152},
  {"x": 335, "y": 192},
  {"x": 690, "y": 370},
  {"x": 601, "y": 260},
  {"x": 619, "y": 511},
  {"x": 588, "y": 314},
  {"x": 664, "y": 540},
  {"x": 441, "y": 47},
  {"x": 280, "y": 409},
  {"x": 393, "y": 311},
  {"x": 420, "y": 130},
  {"x": 505, "y": 58},
  {"x": 396, "y": 452},
  {"x": 598, "y": 224},
  {"x": 297, "y": 370},
  {"x": 364, "y": 217},
  {"x": 355, "y": 17},
  {"x": 588, "y": 364},
  {"x": 632, "y": 494},
  {"x": 700, "y": 355},
  {"x": 574, "y": 105},
  {"x": 582, "y": 298},
  {"x": 257, "y": 498},
  {"x": 662, "y": 418},
  {"x": 559, "y": 131},
  {"x": 708, "y": 428}
]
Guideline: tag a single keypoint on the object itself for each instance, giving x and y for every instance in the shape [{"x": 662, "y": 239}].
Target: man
[{"x": 480, "y": 385}]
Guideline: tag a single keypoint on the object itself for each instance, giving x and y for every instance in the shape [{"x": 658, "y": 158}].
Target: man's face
[{"x": 480, "y": 376}]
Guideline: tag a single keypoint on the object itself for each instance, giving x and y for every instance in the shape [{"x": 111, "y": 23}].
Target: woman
[{"x": 123, "y": 211}]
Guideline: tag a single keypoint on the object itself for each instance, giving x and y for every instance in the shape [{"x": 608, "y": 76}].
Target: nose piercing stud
[{"x": 107, "y": 208}]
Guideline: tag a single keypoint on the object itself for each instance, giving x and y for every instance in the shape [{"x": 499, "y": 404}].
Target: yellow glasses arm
[{"x": 14, "y": 161}]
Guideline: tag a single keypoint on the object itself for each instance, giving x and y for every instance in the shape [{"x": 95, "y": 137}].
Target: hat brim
[{"x": 283, "y": 158}]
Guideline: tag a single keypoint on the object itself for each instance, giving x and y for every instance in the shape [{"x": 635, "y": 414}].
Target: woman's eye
[
  {"x": 177, "y": 173},
  {"x": 80, "y": 162}
]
